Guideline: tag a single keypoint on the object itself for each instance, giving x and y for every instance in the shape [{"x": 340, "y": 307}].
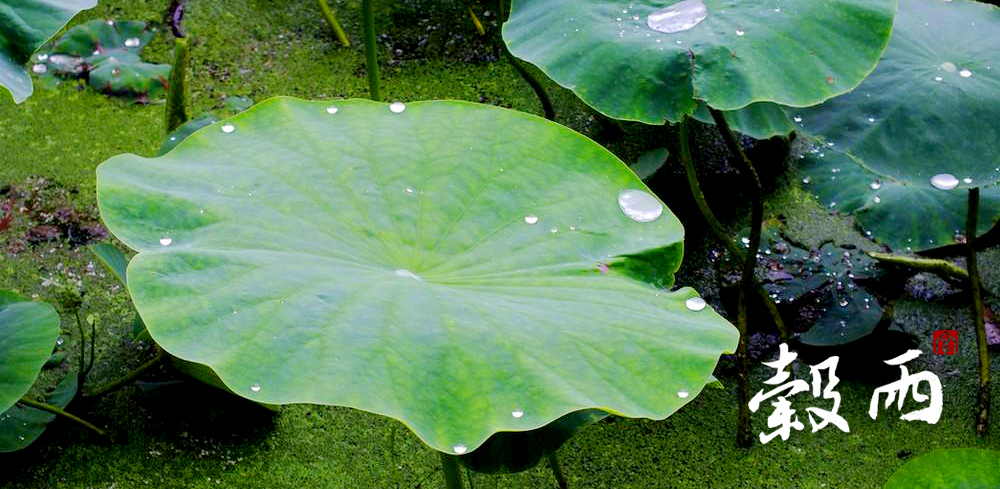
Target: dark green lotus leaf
[
  {"x": 929, "y": 108},
  {"x": 904, "y": 216},
  {"x": 650, "y": 162},
  {"x": 427, "y": 263},
  {"x": 761, "y": 120},
  {"x": 949, "y": 468},
  {"x": 24, "y": 26},
  {"x": 28, "y": 331},
  {"x": 112, "y": 258},
  {"x": 21, "y": 425},
  {"x": 797, "y": 54},
  {"x": 510, "y": 452},
  {"x": 107, "y": 53}
]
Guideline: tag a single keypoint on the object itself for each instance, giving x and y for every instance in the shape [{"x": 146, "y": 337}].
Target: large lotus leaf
[
  {"x": 929, "y": 108},
  {"x": 906, "y": 217},
  {"x": 463, "y": 268},
  {"x": 793, "y": 53},
  {"x": 21, "y": 425},
  {"x": 950, "y": 468},
  {"x": 28, "y": 331},
  {"x": 24, "y": 26}
]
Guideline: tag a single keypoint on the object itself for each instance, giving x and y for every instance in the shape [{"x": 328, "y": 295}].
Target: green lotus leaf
[
  {"x": 112, "y": 258},
  {"x": 893, "y": 212},
  {"x": 796, "y": 54},
  {"x": 107, "y": 53},
  {"x": 21, "y": 425},
  {"x": 28, "y": 331},
  {"x": 650, "y": 162},
  {"x": 949, "y": 468},
  {"x": 24, "y": 26},
  {"x": 444, "y": 263},
  {"x": 929, "y": 109},
  {"x": 760, "y": 120}
]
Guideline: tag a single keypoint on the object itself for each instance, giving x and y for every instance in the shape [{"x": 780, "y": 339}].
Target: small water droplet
[
  {"x": 116, "y": 71},
  {"x": 843, "y": 303},
  {"x": 132, "y": 42},
  {"x": 797, "y": 119},
  {"x": 966, "y": 180},
  {"x": 459, "y": 449},
  {"x": 43, "y": 57},
  {"x": 554, "y": 230},
  {"x": 965, "y": 73},
  {"x": 60, "y": 341},
  {"x": 871, "y": 119},
  {"x": 938, "y": 79},
  {"x": 530, "y": 219},
  {"x": 944, "y": 181},
  {"x": 19, "y": 437},
  {"x": 745, "y": 241},
  {"x": 695, "y": 304},
  {"x": 875, "y": 185},
  {"x": 111, "y": 22},
  {"x": 228, "y": 128},
  {"x": 517, "y": 413},
  {"x": 877, "y": 199},
  {"x": 39, "y": 68},
  {"x": 639, "y": 205},
  {"x": 739, "y": 32},
  {"x": 397, "y": 107},
  {"x": 408, "y": 191},
  {"x": 331, "y": 110},
  {"x": 166, "y": 241},
  {"x": 255, "y": 387},
  {"x": 949, "y": 66},
  {"x": 683, "y": 394},
  {"x": 806, "y": 180},
  {"x": 678, "y": 17}
]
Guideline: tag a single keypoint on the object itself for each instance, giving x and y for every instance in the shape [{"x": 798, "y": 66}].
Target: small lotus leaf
[
  {"x": 24, "y": 26},
  {"x": 929, "y": 108},
  {"x": 21, "y": 425},
  {"x": 650, "y": 162},
  {"x": 28, "y": 331},
  {"x": 430, "y": 263},
  {"x": 950, "y": 468},
  {"x": 760, "y": 120},
  {"x": 742, "y": 52}
]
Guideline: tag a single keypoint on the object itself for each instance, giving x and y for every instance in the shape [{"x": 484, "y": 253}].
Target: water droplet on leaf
[
  {"x": 695, "y": 303},
  {"x": 739, "y": 32},
  {"x": 166, "y": 241},
  {"x": 875, "y": 185},
  {"x": 965, "y": 73},
  {"x": 678, "y": 17},
  {"x": 639, "y": 205},
  {"x": 255, "y": 387},
  {"x": 459, "y": 449},
  {"x": 517, "y": 413},
  {"x": 683, "y": 394},
  {"x": 132, "y": 42},
  {"x": 397, "y": 107},
  {"x": 944, "y": 181},
  {"x": 331, "y": 110},
  {"x": 39, "y": 68},
  {"x": 228, "y": 128},
  {"x": 530, "y": 219}
]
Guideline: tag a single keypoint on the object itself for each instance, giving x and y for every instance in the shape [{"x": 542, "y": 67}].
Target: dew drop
[
  {"x": 806, "y": 180},
  {"x": 39, "y": 68},
  {"x": 166, "y": 241},
  {"x": 530, "y": 219},
  {"x": 949, "y": 67},
  {"x": 408, "y": 191},
  {"x": 739, "y": 32},
  {"x": 331, "y": 110},
  {"x": 460, "y": 449},
  {"x": 944, "y": 181},
  {"x": 228, "y": 128},
  {"x": 397, "y": 107},
  {"x": 683, "y": 394},
  {"x": 255, "y": 387},
  {"x": 19, "y": 437},
  {"x": 695, "y": 304},
  {"x": 871, "y": 119},
  {"x": 678, "y": 17},
  {"x": 966, "y": 180},
  {"x": 132, "y": 42},
  {"x": 938, "y": 79},
  {"x": 797, "y": 119},
  {"x": 554, "y": 230},
  {"x": 745, "y": 241},
  {"x": 43, "y": 57},
  {"x": 965, "y": 73},
  {"x": 639, "y": 205},
  {"x": 517, "y": 413},
  {"x": 877, "y": 199},
  {"x": 875, "y": 185}
]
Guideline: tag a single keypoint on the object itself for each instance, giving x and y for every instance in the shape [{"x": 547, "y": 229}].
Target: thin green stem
[
  {"x": 371, "y": 54},
  {"x": 716, "y": 228},
  {"x": 332, "y": 21},
  {"x": 176, "y": 107},
  {"x": 557, "y": 470},
  {"x": 452, "y": 471},
  {"x": 976, "y": 307},
  {"x": 122, "y": 382},
  {"x": 942, "y": 268},
  {"x": 59, "y": 412}
]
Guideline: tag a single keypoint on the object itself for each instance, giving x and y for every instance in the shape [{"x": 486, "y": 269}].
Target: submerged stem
[
  {"x": 371, "y": 56},
  {"x": 452, "y": 471},
  {"x": 557, "y": 470},
  {"x": 332, "y": 21},
  {"x": 976, "y": 306},
  {"x": 59, "y": 412},
  {"x": 122, "y": 382},
  {"x": 176, "y": 108}
]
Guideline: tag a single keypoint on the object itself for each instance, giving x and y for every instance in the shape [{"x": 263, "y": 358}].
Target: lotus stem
[
  {"x": 59, "y": 412},
  {"x": 122, "y": 382},
  {"x": 530, "y": 79},
  {"x": 942, "y": 268},
  {"x": 83, "y": 370},
  {"x": 716, "y": 228},
  {"x": 371, "y": 55},
  {"x": 176, "y": 108},
  {"x": 476, "y": 22},
  {"x": 986, "y": 240},
  {"x": 983, "y": 414},
  {"x": 557, "y": 470},
  {"x": 332, "y": 20},
  {"x": 452, "y": 471}
]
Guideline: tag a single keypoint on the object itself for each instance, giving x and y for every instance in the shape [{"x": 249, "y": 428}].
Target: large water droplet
[
  {"x": 517, "y": 413},
  {"x": 695, "y": 303},
  {"x": 166, "y": 241},
  {"x": 949, "y": 67},
  {"x": 255, "y": 387},
  {"x": 39, "y": 68},
  {"x": 460, "y": 449},
  {"x": 678, "y": 17},
  {"x": 132, "y": 42},
  {"x": 331, "y": 110},
  {"x": 228, "y": 128},
  {"x": 683, "y": 394},
  {"x": 402, "y": 272},
  {"x": 639, "y": 205},
  {"x": 944, "y": 181},
  {"x": 397, "y": 107},
  {"x": 530, "y": 219},
  {"x": 875, "y": 185}
]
